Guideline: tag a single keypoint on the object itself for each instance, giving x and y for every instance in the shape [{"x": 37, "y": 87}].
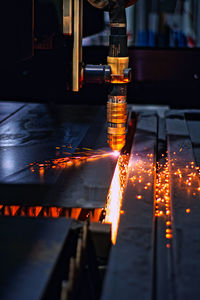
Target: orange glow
[
  {"x": 114, "y": 204},
  {"x": 14, "y": 210},
  {"x": 37, "y": 210},
  {"x": 187, "y": 182},
  {"x": 52, "y": 212},
  {"x": 169, "y": 236},
  {"x": 115, "y": 195},
  {"x": 187, "y": 179},
  {"x": 162, "y": 196},
  {"x": 79, "y": 157},
  {"x": 41, "y": 172},
  {"x": 116, "y": 153},
  {"x": 119, "y": 79}
]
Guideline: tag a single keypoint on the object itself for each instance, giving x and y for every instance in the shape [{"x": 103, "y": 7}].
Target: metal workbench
[{"x": 145, "y": 263}]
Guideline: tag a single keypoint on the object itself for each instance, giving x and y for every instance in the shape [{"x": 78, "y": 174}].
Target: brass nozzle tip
[
  {"x": 116, "y": 142},
  {"x": 116, "y": 118}
]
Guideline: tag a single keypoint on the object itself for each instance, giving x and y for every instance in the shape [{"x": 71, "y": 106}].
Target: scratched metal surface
[
  {"x": 8, "y": 109},
  {"x": 30, "y": 250},
  {"x": 32, "y": 135}
]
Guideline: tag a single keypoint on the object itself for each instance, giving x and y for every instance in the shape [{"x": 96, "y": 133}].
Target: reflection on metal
[
  {"x": 67, "y": 17},
  {"x": 77, "y": 45},
  {"x": 116, "y": 117},
  {"x": 118, "y": 64},
  {"x": 118, "y": 25}
]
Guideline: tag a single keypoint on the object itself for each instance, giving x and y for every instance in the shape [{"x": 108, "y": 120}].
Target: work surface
[
  {"x": 157, "y": 253},
  {"x": 38, "y": 134}
]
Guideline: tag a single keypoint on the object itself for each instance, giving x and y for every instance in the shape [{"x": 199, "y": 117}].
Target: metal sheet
[
  {"x": 8, "y": 109},
  {"x": 130, "y": 269},
  {"x": 30, "y": 250},
  {"x": 34, "y": 132},
  {"x": 163, "y": 263},
  {"x": 193, "y": 124},
  {"x": 85, "y": 186},
  {"x": 185, "y": 208}
]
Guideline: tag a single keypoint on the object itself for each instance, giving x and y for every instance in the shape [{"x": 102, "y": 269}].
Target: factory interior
[{"x": 100, "y": 150}]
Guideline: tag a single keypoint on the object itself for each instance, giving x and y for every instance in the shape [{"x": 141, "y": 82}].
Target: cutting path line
[{"x": 12, "y": 114}]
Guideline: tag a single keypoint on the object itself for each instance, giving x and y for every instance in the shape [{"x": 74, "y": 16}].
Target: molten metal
[
  {"x": 115, "y": 195},
  {"x": 77, "y": 159}
]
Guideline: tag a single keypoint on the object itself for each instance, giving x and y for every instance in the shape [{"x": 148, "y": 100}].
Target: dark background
[{"x": 160, "y": 76}]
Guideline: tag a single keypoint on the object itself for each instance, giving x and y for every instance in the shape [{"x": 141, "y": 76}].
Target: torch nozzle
[{"x": 116, "y": 118}]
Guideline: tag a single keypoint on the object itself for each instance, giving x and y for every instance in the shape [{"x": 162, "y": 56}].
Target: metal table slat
[
  {"x": 30, "y": 250},
  {"x": 130, "y": 269},
  {"x": 185, "y": 208}
]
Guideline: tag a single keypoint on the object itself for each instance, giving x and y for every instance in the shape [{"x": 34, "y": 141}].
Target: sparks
[
  {"x": 162, "y": 197},
  {"x": 76, "y": 159},
  {"x": 115, "y": 195},
  {"x": 116, "y": 153},
  {"x": 186, "y": 175}
]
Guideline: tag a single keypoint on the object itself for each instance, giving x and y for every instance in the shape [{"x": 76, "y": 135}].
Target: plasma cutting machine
[
  {"x": 64, "y": 195},
  {"x": 52, "y": 24},
  {"x": 117, "y": 72}
]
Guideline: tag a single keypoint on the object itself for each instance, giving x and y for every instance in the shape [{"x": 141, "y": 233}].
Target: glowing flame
[
  {"x": 115, "y": 195},
  {"x": 81, "y": 214},
  {"x": 77, "y": 159},
  {"x": 114, "y": 204},
  {"x": 41, "y": 172},
  {"x": 116, "y": 153}
]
